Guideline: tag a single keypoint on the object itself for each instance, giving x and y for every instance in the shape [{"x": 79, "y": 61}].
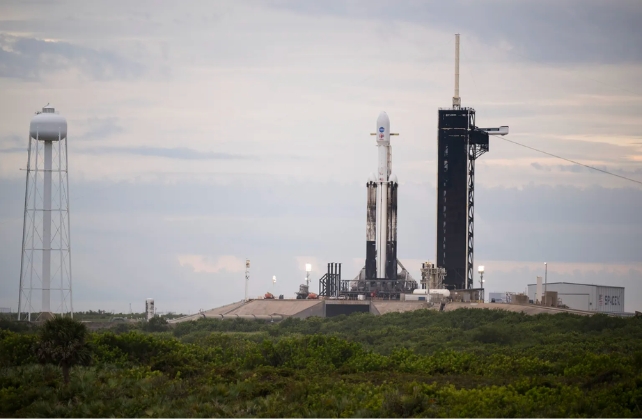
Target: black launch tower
[{"x": 460, "y": 143}]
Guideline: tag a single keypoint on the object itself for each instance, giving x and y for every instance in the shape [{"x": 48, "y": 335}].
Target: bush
[
  {"x": 427, "y": 364},
  {"x": 156, "y": 324}
]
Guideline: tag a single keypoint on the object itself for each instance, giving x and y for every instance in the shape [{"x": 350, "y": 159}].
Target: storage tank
[
  {"x": 442, "y": 292},
  {"x": 420, "y": 291},
  {"x": 48, "y": 125}
]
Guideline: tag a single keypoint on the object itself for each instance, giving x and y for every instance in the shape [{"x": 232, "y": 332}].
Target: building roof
[{"x": 575, "y": 283}]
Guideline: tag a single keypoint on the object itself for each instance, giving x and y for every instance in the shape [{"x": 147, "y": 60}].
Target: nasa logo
[{"x": 381, "y": 129}]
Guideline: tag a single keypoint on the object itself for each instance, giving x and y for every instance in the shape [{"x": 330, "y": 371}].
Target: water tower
[{"x": 45, "y": 263}]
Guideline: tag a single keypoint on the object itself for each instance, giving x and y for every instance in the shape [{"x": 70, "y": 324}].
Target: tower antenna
[{"x": 456, "y": 98}]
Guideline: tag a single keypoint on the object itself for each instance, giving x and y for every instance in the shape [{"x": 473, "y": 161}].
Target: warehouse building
[{"x": 586, "y": 297}]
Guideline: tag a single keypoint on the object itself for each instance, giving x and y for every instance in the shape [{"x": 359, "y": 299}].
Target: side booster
[{"x": 381, "y": 218}]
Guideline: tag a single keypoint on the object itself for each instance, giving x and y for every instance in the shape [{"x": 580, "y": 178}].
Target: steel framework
[
  {"x": 381, "y": 288},
  {"x": 330, "y": 283},
  {"x": 460, "y": 143},
  {"x": 45, "y": 263}
]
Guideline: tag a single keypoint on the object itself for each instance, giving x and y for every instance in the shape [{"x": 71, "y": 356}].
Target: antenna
[{"x": 456, "y": 98}]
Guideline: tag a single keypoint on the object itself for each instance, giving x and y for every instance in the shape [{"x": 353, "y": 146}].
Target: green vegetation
[
  {"x": 470, "y": 363},
  {"x": 100, "y": 316},
  {"x": 62, "y": 342}
]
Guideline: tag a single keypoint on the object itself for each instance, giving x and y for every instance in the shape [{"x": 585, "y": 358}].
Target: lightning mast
[{"x": 456, "y": 98}]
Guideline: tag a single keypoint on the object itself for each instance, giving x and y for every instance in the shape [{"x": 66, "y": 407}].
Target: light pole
[
  {"x": 481, "y": 279},
  {"x": 308, "y": 269},
  {"x": 545, "y": 282},
  {"x": 247, "y": 276}
]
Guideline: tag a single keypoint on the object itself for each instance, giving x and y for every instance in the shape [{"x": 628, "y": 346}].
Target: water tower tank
[{"x": 48, "y": 125}]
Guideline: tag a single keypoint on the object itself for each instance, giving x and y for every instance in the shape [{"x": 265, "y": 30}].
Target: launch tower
[{"x": 460, "y": 144}]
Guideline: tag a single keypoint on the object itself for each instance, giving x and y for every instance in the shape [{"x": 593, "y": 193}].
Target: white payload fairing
[{"x": 381, "y": 225}]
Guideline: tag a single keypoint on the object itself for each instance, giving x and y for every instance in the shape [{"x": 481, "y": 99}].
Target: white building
[{"x": 600, "y": 298}]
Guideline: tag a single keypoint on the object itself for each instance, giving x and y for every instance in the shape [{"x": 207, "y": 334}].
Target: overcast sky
[{"x": 202, "y": 133}]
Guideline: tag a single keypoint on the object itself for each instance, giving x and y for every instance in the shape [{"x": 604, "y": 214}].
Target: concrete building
[{"x": 587, "y": 297}]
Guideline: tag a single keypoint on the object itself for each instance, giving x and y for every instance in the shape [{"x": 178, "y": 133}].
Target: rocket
[{"x": 381, "y": 214}]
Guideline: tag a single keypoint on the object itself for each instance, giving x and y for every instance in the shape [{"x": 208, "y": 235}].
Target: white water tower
[{"x": 45, "y": 263}]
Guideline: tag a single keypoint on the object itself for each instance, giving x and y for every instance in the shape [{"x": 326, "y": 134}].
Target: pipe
[
  {"x": 382, "y": 224},
  {"x": 46, "y": 231},
  {"x": 339, "y": 280},
  {"x": 24, "y": 224}
]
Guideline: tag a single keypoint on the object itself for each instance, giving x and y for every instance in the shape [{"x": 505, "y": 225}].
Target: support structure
[
  {"x": 432, "y": 277},
  {"x": 330, "y": 283},
  {"x": 460, "y": 143},
  {"x": 45, "y": 263}
]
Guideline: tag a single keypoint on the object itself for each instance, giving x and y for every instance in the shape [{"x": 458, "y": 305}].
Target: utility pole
[
  {"x": 247, "y": 276},
  {"x": 481, "y": 280},
  {"x": 545, "y": 282}
]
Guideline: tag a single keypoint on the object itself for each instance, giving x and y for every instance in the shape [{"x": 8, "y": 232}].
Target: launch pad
[
  {"x": 363, "y": 288},
  {"x": 383, "y": 276},
  {"x": 277, "y": 310}
]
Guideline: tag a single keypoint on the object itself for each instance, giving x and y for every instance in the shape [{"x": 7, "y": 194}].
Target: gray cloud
[
  {"x": 558, "y": 223},
  {"x": 120, "y": 227},
  {"x": 101, "y": 128},
  {"x": 11, "y": 139},
  {"x": 572, "y": 31},
  {"x": 573, "y": 168},
  {"x": 538, "y": 166},
  {"x": 634, "y": 174},
  {"x": 181, "y": 153},
  {"x": 566, "y": 223},
  {"x": 12, "y": 144},
  {"x": 30, "y": 59},
  {"x": 13, "y": 150}
]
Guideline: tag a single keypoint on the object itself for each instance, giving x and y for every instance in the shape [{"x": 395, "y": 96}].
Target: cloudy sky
[{"x": 202, "y": 133}]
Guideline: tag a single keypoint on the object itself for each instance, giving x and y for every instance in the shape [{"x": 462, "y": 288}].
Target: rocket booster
[{"x": 381, "y": 219}]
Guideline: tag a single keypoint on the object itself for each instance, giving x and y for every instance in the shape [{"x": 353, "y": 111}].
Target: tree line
[{"x": 473, "y": 363}]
